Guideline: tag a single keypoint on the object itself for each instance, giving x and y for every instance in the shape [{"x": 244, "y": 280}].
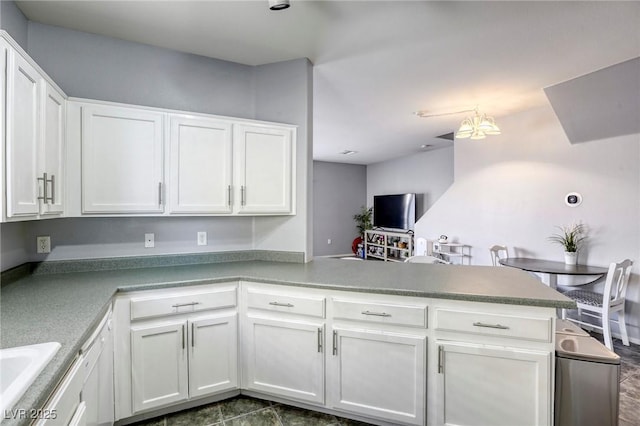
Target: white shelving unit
[
  {"x": 454, "y": 253},
  {"x": 393, "y": 246}
]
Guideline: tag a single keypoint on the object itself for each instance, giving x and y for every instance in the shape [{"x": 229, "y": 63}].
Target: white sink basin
[{"x": 19, "y": 367}]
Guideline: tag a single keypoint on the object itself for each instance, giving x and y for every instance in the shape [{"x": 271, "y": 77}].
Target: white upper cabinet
[
  {"x": 264, "y": 169},
  {"x": 52, "y": 149},
  {"x": 23, "y": 137},
  {"x": 34, "y": 115},
  {"x": 200, "y": 165},
  {"x": 122, "y": 160}
]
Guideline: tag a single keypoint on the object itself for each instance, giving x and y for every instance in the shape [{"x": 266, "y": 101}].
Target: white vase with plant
[{"x": 571, "y": 238}]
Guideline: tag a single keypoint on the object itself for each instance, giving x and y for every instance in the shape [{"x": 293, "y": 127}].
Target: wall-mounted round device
[{"x": 573, "y": 199}]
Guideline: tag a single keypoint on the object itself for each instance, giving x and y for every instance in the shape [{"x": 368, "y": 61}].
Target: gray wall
[
  {"x": 97, "y": 67},
  {"x": 13, "y": 21},
  {"x": 92, "y": 66},
  {"x": 284, "y": 94},
  {"x": 428, "y": 174},
  {"x": 339, "y": 192}
]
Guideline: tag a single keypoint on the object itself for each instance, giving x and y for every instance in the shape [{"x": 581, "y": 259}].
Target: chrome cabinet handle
[
  {"x": 193, "y": 334},
  {"x": 160, "y": 193},
  {"x": 319, "y": 339},
  {"x": 45, "y": 193},
  {"x": 178, "y": 305},
  {"x": 376, "y": 314},
  {"x": 286, "y": 305},
  {"x": 440, "y": 359},
  {"x": 498, "y": 326},
  {"x": 44, "y": 187},
  {"x": 53, "y": 189},
  {"x": 335, "y": 342},
  {"x": 183, "y": 336},
  {"x": 229, "y": 195},
  {"x": 242, "y": 197}
]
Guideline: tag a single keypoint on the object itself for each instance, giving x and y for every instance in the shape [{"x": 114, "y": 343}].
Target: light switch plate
[
  {"x": 149, "y": 240},
  {"x": 202, "y": 238}
]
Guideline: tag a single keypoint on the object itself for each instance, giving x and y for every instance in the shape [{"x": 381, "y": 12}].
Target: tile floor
[{"x": 245, "y": 411}]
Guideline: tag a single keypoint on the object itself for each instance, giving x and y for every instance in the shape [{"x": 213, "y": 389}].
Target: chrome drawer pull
[
  {"x": 376, "y": 314},
  {"x": 286, "y": 305},
  {"x": 498, "y": 326},
  {"x": 179, "y": 305}
]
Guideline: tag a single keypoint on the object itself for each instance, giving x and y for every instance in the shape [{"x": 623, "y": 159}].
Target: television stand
[{"x": 390, "y": 246}]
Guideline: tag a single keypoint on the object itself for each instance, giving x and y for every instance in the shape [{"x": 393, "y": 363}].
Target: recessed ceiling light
[{"x": 348, "y": 152}]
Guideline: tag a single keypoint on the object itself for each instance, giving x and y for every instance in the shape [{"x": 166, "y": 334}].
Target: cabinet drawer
[
  {"x": 183, "y": 302},
  {"x": 387, "y": 313},
  {"x": 286, "y": 302},
  {"x": 538, "y": 329}
]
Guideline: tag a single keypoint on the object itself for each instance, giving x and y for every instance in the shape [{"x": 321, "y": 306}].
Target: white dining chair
[
  {"x": 596, "y": 305},
  {"x": 425, "y": 259},
  {"x": 498, "y": 252}
]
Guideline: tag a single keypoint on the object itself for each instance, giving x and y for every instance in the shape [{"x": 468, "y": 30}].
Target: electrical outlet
[
  {"x": 43, "y": 244},
  {"x": 149, "y": 240},
  {"x": 202, "y": 238}
]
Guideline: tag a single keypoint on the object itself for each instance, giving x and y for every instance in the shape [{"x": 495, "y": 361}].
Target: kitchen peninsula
[{"x": 439, "y": 317}]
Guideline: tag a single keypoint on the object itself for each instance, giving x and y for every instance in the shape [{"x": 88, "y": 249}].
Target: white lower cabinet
[
  {"x": 174, "y": 346},
  {"x": 177, "y": 360},
  {"x": 359, "y": 355},
  {"x": 213, "y": 354},
  {"x": 285, "y": 358},
  {"x": 498, "y": 386},
  {"x": 159, "y": 360},
  {"x": 379, "y": 374},
  {"x": 283, "y": 342}
]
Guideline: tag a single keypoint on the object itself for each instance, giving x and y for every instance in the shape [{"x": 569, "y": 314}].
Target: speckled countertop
[{"x": 65, "y": 307}]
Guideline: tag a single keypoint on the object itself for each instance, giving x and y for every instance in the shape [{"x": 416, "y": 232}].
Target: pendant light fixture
[
  {"x": 278, "y": 4},
  {"x": 477, "y": 127}
]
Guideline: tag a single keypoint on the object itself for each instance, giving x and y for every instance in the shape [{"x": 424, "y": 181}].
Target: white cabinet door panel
[
  {"x": 201, "y": 166},
  {"x": 53, "y": 149},
  {"x": 159, "y": 364},
  {"x": 122, "y": 160},
  {"x": 493, "y": 386},
  {"x": 380, "y": 374},
  {"x": 213, "y": 358},
  {"x": 264, "y": 169},
  {"x": 285, "y": 358},
  {"x": 23, "y": 137}
]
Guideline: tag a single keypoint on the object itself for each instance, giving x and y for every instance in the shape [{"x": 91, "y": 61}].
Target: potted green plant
[
  {"x": 363, "y": 219},
  {"x": 571, "y": 238},
  {"x": 363, "y": 222}
]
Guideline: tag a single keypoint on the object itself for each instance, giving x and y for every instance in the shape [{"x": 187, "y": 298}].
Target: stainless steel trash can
[{"x": 587, "y": 382}]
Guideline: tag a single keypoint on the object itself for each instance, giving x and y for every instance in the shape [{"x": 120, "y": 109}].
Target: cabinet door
[
  {"x": 23, "y": 137},
  {"x": 264, "y": 169},
  {"x": 52, "y": 150},
  {"x": 158, "y": 364},
  {"x": 200, "y": 166},
  {"x": 285, "y": 358},
  {"x": 213, "y": 354},
  {"x": 493, "y": 386},
  {"x": 122, "y": 157},
  {"x": 379, "y": 374}
]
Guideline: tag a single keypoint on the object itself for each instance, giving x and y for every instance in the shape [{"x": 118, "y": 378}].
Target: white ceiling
[{"x": 375, "y": 62}]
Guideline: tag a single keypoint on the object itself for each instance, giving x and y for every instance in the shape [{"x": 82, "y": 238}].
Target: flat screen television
[{"x": 397, "y": 211}]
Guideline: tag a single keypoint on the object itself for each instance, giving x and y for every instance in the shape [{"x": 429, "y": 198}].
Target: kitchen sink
[{"x": 19, "y": 367}]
